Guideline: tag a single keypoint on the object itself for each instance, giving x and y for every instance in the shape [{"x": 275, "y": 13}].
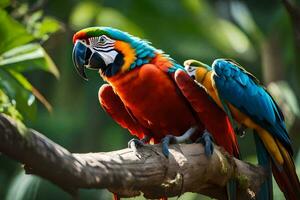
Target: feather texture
[{"x": 244, "y": 92}]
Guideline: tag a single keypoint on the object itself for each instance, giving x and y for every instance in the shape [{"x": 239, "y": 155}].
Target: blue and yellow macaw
[{"x": 243, "y": 98}]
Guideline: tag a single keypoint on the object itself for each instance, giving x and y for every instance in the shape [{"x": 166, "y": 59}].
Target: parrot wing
[
  {"x": 113, "y": 105},
  {"x": 241, "y": 89},
  {"x": 213, "y": 118}
]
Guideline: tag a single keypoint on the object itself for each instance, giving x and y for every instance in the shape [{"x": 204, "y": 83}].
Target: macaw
[
  {"x": 242, "y": 97},
  {"x": 149, "y": 93}
]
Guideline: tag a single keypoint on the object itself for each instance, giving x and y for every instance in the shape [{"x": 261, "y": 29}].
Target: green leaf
[
  {"x": 236, "y": 38},
  {"x": 20, "y": 96},
  {"x": 41, "y": 27},
  {"x": 4, "y": 3},
  {"x": 28, "y": 57},
  {"x": 23, "y": 187},
  {"x": 7, "y": 107},
  {"x": 221, "y": 34},
  {"x": 244, "y": 19},
  {"x": 12, "y": 33},
  {"x": 46, "y": 27},
  {"x": 27, "y": 86}
]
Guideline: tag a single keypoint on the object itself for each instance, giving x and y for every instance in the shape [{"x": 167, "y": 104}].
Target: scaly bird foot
[
  {"x": 170, "y": 139},
  {"x": 134, "y": 144},
  {"x": 207, "y": 140},
  {"x": 166, "y": 141}
]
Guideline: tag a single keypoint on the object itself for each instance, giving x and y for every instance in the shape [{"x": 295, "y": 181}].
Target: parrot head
[
  {"x": 196, "y": 69},
  {"x": 110, "y": 51}
]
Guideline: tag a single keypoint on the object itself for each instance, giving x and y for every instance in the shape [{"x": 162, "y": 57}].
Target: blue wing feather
[{"x": 240, "y": 88}]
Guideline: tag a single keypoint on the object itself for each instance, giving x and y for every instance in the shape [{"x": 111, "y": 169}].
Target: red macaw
[
  {"x": 148, "y": 92},
  {"x": 240, "y": 95}
]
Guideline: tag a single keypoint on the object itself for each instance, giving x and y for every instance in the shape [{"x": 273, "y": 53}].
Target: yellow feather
[
  {"x": 204, "y": 77},
  {"x": 128, "y": 52},
  {"x": 271, "y": 146}
]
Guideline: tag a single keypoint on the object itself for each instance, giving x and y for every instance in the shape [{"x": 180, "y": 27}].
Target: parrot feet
[
  {"x": 166, "y": 141},
  {"x": 207, "y": 140},
  {"x": 134, "y": 144},
  {"x": 241, "y": 130},
  {"x": 171, "y": 139}
]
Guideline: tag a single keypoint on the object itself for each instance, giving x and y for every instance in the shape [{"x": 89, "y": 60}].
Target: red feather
[
  {"x": 147, "y": 100},
  {"x": 113, "y": 105},
  {"x": 214, "y": 119},
  {"x": 153, "y": 99}
]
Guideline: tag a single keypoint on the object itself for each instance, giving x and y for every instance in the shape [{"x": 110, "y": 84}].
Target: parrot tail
[
  {"x": 266, "y": 190},
  {"x": 286, "y": 176}
]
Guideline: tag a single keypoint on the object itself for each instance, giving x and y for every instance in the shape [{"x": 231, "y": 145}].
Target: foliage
[{"x": 20, "y": 51}]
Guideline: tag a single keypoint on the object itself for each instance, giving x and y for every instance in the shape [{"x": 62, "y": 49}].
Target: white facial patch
[
  {"x": 191, "y": 71},
  {"x": 104, "y": 46},
  {"x": 108, "y": 57}
]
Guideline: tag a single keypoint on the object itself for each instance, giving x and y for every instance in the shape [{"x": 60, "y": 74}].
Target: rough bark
[{"x": 122, "y": 172}]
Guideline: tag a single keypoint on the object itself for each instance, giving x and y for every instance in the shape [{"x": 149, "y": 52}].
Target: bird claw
[
  {"x": 134, "y": 144},
  {"x": 207, "y": 140},
  {"x": 166, "y": 141},
  {"x": 171, "y": 139},
  {"x": 241, "y": 131}
]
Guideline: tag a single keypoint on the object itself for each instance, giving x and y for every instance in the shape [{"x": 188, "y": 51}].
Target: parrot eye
[
  {"x": 84, "y": 41},
  {"x": 102, "y": 40}
]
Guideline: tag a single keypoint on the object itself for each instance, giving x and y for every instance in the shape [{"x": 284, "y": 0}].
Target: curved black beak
[
  {"x": 79, "y": 58},
  {"x": 83, "y": 58}
]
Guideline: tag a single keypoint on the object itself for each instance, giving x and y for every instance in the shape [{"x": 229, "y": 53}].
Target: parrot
[
  {"x": 241, "y": 95},
  {"x": 149, "y": 93}
]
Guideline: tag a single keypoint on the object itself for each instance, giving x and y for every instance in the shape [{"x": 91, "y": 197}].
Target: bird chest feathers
[{"x": 151, "y": 96}]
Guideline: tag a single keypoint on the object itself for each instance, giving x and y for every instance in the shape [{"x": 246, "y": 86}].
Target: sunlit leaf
[
  {"x": 41, "y": 27},
  {"x": 12, "y": 33},
  {"x": 28, "y": 57},
  {"x": 23, "y": 187},
  {"x": 18, "y": 94},
  {"x": 237, "y": 39},
  {"x": 222, "y": 34},
  {"x": 46, "y": 27},
  {"x": 23, "y": 81},
  {"x": 33, "y": 19},
  {"x": 8, "y": 107},
  {"x": 244, "y": 19}
]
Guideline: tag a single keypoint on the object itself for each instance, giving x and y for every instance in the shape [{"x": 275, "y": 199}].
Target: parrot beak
[
  {"x": 195, "y": 63},
  {"x": 79, "y": 57},
  {"x": 83, "y": 58}
]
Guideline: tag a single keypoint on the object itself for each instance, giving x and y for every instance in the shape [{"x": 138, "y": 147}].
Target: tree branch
[{"x": 122, "y": 172}]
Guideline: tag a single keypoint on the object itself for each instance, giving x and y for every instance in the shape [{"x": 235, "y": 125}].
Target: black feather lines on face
[{"x": 113, "y": 68}]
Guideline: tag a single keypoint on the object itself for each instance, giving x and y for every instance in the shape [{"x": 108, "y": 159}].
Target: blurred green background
[{"x": 39, "y": 86}]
